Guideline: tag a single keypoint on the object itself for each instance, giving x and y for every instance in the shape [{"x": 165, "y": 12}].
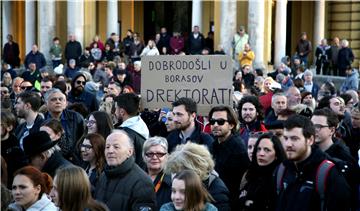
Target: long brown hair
[
  {"x": 196, "y": 195},
  {"x": 73, "y": 188},
  {"x": 98, "y": 144}
]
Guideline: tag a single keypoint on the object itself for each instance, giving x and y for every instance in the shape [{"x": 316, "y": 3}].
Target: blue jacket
[
  {"x": 351, "y": 82},
  {"x": 88, "y": 99},
  {"x": 37, "y": 58}
]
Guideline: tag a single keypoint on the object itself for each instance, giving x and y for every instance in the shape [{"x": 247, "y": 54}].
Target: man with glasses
[
  {"x": 187, "y": 129},
  {"x": 71, "y": 121},
  {"x": 325, "y": 123},
  {"x": 27, "y": 106},
  {"x": 78, "y": 94},
  {"x": 296, "y": 177},
  {"x": 228, "y": 150}
]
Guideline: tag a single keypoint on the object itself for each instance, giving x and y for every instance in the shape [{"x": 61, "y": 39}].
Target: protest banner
[{"x": 205, "y": 79}]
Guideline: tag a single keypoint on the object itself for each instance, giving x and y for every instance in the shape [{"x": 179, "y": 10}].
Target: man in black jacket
[
  {"x": 71, "y": 121},
  {"x": 43, "y": 154},
  {"x": 123, "y": 185},
  {"x": 196, "y": 42},
  {"x": 325, "y": 122},
  {"x": 228, "y": 150},
  {"x": 73, "y": 49},
  {"x": 298, "y": 189},
  {"x": 187, "y": 129},
  {"x": 27, "y": 106}
]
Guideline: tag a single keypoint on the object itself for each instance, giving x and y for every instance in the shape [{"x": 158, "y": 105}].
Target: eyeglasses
[
  {"x": 26, "y": 87},
  {"x": 86, "y": 147},
  {"x": 80, "y": 82},
  {"x": 90, "y": 122},
  {"x": 157, "y": 154},
  {"x": 218, "y": 121},
  {"x": 319, "y": 127}
]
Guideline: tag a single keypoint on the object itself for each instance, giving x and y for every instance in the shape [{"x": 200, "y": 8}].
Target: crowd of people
[{"x": 74, "y": 136}]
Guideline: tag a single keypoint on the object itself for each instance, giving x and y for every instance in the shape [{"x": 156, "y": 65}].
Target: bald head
[{"x": 119, "y": 147}]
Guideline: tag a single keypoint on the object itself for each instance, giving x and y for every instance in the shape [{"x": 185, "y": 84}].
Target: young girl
[{"x": 188, "y": 194}]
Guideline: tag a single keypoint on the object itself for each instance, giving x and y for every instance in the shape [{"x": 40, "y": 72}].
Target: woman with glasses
[
  {"x": 155, "y": 156},
  {"x": 92, "y": 152},
  {"x": 258, "y": 191},
  {"x": 99, "y": 122}
]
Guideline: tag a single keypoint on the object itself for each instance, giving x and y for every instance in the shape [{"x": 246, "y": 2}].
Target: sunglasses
[
  {"x": 157, "y": 154},
  {"x": 218, "y": 121},
  {"x": 26, "y": 87},
  {"x": 80, "y": 82}
]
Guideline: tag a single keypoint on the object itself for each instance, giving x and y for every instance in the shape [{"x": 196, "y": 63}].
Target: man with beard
[
  {"x": 27, "y": 106},
  {"x": 79, "y": 95},
  {"x": 250, "y": 116},
  {"x": 71, "y": 121},
  {"x": 45, "y": 85},
  {"x": 127, "y": 113},
  {"x": 228, "y": 150},
  {"x": 187, "y": 129},
  {"x": 5, "y": 98},
  {"x": 297, "y": 186},
  {"x": 10, "y": 148}
]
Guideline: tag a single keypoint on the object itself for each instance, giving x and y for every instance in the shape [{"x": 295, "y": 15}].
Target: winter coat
[
  {"x": 43, "y": 204},
  {"x": 21, "y": 129},
  {"x": 126, "y": 187},
  {"x": 197, "y": 137},
  {"x": 351, "y": 82},
  {"x": 177, "y": 44},
  {"x": 231, "y": 161},
  {"x": 163, "y": 195},
  {"x": 345, "y": 58},
  {"x": 87, "y": 98},
  {"x": 246, "y": 129},
  {"x": 11, "y": 54},
  {"x": 37, "y": 58},
  {"x": 170, "y": 207},
  {"x": 149, "y": 52},
  {"x": 54, "y": 163},
  {"x": 218, "y": 190},
  {"x": 196, "y": 45},
  {"x": 259, "y": 188},
  {"x": 299, "y": 186},
  {"x": 74, "y": 127},
  {"x": 73, "y": 50}
]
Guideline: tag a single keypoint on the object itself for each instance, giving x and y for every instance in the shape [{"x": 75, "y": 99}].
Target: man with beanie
[{"x": 78, "y": 94}]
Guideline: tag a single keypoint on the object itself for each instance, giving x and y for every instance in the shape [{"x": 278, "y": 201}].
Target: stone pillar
[
  {"x": 75, "y": 20},
  {"x": 6, "y": 17},
  {"x": 228, "y": 25},
  {"x": 256, "y": 22},
  {"x": 280, "y": 31},
  {"x": 112, "y": 17},
  {"x": 29, "y": 25},
  {"x": 319, "y": 22},
  {"x": 197, "y": 14},
  {"x": 46, "y": 14}
]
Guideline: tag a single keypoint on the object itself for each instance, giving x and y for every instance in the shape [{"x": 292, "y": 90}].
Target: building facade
[{"x": 274, "y": 27}]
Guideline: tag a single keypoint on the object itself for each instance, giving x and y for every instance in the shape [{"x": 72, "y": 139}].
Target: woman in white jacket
[
  {"x": 150, "y": 49},
  {"x": 30, "y": 188}
]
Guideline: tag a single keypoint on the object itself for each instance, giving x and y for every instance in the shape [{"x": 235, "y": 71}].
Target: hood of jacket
[{"x": 137, "y": 124}]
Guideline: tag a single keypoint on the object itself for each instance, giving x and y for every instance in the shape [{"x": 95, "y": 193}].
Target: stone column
[
  {"x": 319, "y": 22},
  {"x": 46, "y": 14},
  {"x": 256, "y": 24},
  {"x": 280, "y": 31},
  {"x": 112, "y": 17},
  {"x": 228, "y": 25},
  {"x": 29, "y": 25},
  {"x": 197, "y": 14},
  {"x": 6, "y": 17},
  {"x": 75, "y": 20}
]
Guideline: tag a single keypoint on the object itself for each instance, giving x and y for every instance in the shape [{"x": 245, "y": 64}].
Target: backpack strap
[
  {"x": 279, "y": 177},
  {"x": 321, "y": 177}
]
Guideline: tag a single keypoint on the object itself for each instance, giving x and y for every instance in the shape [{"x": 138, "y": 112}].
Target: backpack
[{"x": 322, "y": 174}]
